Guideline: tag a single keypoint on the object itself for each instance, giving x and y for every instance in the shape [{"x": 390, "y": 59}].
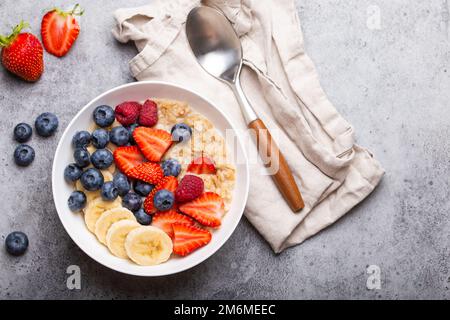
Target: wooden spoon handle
[{"x": 270, "y": 154}]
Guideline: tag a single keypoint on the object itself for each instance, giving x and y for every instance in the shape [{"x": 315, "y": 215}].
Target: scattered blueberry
[
  {"x": 142, "y": 188},
  {"x": 104, "y": 116},
  {"x": 171, "y": 167},
  {"x": 119, "y": 136},
  {"x": 72, "y": 172},
  {"x": 132, "y": 201},
  {"x": 16, "y": 243},
  {"x": 181, "y": 132},
  {"x": 102, "y": 158},
  {"x": 100, "y": 138},
  {"x": 142, "y": 217},
  {"x": 22, "y": 132},
  {"x": 122, "y": 184},
  {"x": 77, "y": 201},
  {"x": 81, "y": 139},
  {"x": 92, "y": 179},
  {"x": 82, "y": 157},
  {"x": 163, "y": 200},
  {"x": 130, "y": 132},
  {"x": 109, "y": 191},
  {"x": 46, "y": 124},
  {"x": 24, "y": 155}
]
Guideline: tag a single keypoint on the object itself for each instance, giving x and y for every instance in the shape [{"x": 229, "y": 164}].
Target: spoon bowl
[{"x": 214, "y": 43}]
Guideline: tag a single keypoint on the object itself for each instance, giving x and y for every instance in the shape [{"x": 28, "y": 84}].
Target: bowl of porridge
[{"x": 150, "y": 178}]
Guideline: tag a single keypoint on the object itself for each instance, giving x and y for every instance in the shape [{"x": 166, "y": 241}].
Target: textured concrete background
[{"x": 390, "y": 80}]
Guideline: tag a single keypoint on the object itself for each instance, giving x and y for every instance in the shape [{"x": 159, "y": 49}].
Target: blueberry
[
  {"x": 100, "y": 138},
  {"x": 46, "y": 124},
  {"x": 77, "y": 201},
  {"x": 130, "y": 132},
  {"x": 122, "y": 184},
  {"x": 142, "y": 188},
  {"x": 22, "y": 132},
  {"x": 142, "y": 217},
  {"x": 102, "y": 158},
  {"x": 82, "y": 157},
  {"x": 119, "y": 136},
  {"x": 24, "y": 155},
  {"x": 16, "y": 243},
  {"x": 132, "y": 201},
  {"x": 81, "y": 139},
  {"x": 163, "y": 200},
  {"x": 109, "y": 191},
  {"x": 72, "y": 172},
  {"x": 181, "y": 132},
  {"x": 171, "y": 167},
  {"x": 104, "y": 116},
  {"x": 92, "y": 179}
]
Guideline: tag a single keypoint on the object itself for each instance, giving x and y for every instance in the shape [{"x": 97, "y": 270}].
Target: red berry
[
  {"x": 127, "y": 112},
  {"x": 190, "y": 187},
  {"x": 60, "y": 29},
  {"x": 165, "y": 220},
  {"x": 187, "y": 239},
  {"x": 202, "y": 165},
  {"x": 149, "y": 114},
  {"x": 207, "y": 209},
  {"x": 153, "y": 143},
  {"x": 126, "y": 158},
  {"x": 148, "y": 172},
  {"x": 22, "y": 54}
]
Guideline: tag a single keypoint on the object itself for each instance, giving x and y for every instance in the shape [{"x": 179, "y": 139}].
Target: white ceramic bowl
[{"x": 74, "y": 222}]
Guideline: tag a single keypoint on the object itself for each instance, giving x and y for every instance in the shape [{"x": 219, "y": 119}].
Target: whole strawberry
[{"x": 22, "y": 54}]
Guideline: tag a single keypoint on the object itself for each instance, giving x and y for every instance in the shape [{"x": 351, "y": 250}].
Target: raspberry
[
  {"x": 149, "y": 114},
  {"x": 190, "y": 187},
  {"x": 127, "y": 112}
]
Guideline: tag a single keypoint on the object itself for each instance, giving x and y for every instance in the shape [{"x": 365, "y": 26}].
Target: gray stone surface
[{"x": 391, "y": 82}]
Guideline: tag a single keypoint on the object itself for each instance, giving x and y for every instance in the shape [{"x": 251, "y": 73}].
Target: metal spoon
[{"x": 218, "y": 50}]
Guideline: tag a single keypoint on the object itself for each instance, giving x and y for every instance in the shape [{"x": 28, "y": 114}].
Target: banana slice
[
  {"x": 107, "y": 218},
  {"x": 94, "y": 210},
  {"x": 148, "y": 246},
  {"x": 92, "y": 195},
  {"x": 115, "y": 238}
]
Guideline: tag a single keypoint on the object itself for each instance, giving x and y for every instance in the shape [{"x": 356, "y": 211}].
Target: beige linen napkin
[{"x": 280, "y": 80}]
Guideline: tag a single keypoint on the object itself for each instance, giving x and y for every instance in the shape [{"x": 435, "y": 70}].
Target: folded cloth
[{"x": 333, "y": 173}]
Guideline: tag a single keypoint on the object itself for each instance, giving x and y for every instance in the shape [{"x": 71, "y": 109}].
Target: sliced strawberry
[
  {"x": 207, "y": 209},
  {"x": 126, "y": 158},
  {"x": 188, "y": 238},
  {"x": 164, "y": 220},
  {"x": 59, "y": 30},
  {"x": 148, "y": 172},
  {"x": 202, "y": 165},
  {"x": 152, "y": 142},
  {"x": 149, "y": 207},
  {"x": 169, "y": 183}
]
